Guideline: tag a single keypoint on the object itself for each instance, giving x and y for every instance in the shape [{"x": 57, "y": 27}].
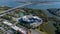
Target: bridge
[{"x": 10, "y": 10}]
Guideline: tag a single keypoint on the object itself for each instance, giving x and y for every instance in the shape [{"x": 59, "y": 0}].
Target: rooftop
[{"x": 30, "y": 19}]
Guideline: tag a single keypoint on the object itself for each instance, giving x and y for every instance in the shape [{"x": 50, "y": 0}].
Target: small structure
[{"x": 31, "y": 20}]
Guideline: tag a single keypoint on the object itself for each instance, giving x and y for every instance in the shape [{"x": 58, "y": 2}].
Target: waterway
[
  {"x": 13, "y": 3},
  {"x": 45, "y": 5},
  {"x": 10, "y": 3}
]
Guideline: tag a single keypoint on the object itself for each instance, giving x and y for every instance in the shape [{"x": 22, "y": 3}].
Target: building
[{"x": 31, "y": 20}]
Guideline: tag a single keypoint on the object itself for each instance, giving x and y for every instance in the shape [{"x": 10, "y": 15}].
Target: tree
[{"x": 7, "y": 17}]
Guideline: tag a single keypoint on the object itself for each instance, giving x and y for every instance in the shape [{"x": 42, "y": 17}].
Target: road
[
  {"x": 50, "y": 15},
  {"x": 5, "y": 12}
]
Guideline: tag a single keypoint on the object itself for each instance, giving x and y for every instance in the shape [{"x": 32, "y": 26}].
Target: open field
[{"x": 2, "y": 10}]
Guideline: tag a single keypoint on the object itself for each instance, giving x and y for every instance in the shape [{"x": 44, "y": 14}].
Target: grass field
[
  {"x": 2, "y": 10},
  {"x": 48, "y": 28}
]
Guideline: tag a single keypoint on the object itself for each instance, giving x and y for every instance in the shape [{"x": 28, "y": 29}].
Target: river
[
  {"x": 10, "y": 3},
  {"x": 13, "y": 3}
]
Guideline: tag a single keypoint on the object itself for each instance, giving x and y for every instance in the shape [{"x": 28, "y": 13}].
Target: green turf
[{"x": 2, "y": 10}]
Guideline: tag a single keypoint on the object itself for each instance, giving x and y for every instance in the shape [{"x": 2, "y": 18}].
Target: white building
[{"x": 32, "y": 20}]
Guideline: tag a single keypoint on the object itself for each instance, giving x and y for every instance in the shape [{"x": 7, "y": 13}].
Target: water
[
  {"x": 13, "y": 3},
  {"x": 9, "y": 3},
  {"x": 44, "y": 5}
]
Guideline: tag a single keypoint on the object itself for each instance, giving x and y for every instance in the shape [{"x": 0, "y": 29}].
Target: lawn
[
  {"x": 2, "y": 10},
  {"x": 49, "y": 28}
]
